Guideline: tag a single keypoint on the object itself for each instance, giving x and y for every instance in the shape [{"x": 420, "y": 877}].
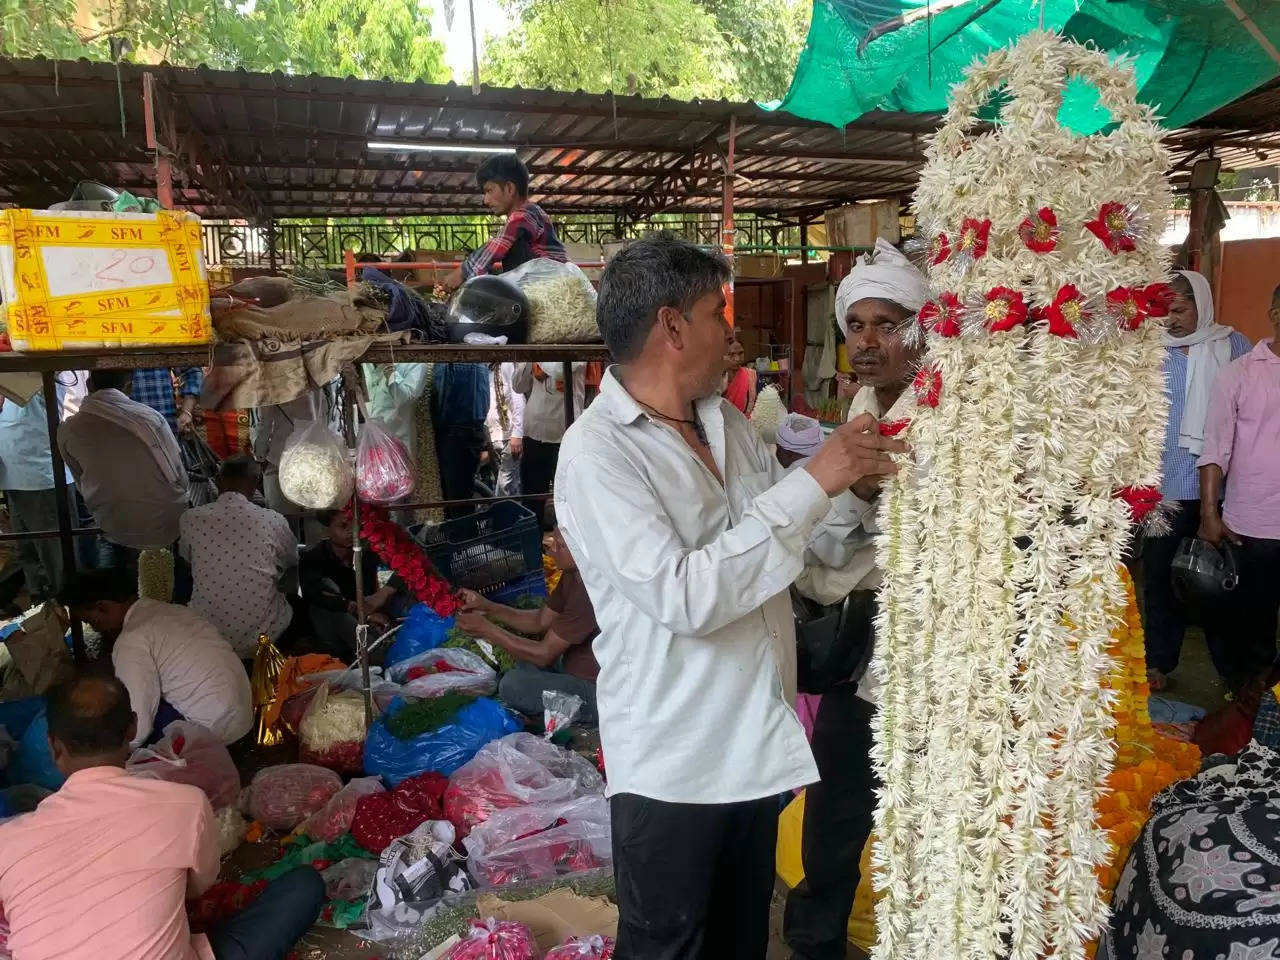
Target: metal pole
[
  {"x": 357, "y": 562},
  {"x": 61, "y": 492},
  {"x": 567, "y": 373},
  {"x": 164, "y": 167},
  {"x": 727, "y": 230},
  {"x": 804, "y": 241}
]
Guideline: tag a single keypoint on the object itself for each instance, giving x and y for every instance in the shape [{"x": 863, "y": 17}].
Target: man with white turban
[
  {"x": 875, "y": 305},
  {"x": 798, "y": 438}
]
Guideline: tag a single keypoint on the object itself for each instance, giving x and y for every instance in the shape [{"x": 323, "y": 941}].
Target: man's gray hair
[{"x": 660, "y": 270}]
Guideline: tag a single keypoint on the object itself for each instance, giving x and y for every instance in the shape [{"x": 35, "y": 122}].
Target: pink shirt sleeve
[
  {"x": 206, "y": 860},
  {"x": 1220, "y": 423}
]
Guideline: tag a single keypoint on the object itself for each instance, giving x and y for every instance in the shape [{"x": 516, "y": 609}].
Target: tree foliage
[
  {"x": 363, "y": 38},
  {"x": 679, "y": 48}
]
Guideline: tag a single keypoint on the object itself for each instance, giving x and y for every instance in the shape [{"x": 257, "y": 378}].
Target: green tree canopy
[
  {"x": 680, "y": 48},
  {"x": 363, "y": 38}
]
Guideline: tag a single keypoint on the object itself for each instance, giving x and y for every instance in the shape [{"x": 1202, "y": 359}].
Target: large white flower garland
[{"x": 1039, "y": 427}]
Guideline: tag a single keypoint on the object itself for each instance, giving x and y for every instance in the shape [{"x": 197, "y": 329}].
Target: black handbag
[
  {"x": 833, "y": 642},
  {"x": 201, "y": 464}
]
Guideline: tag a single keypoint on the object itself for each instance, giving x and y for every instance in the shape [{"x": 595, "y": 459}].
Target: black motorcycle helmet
[
  {"x": 1203, "y": 574},
  {"x": 489, "y": 305}
]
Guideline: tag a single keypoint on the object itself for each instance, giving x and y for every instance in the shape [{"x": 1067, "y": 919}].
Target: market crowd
[{"x": 696, "y": 562}]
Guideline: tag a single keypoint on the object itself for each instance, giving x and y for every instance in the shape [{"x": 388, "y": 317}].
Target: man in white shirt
[
  {"x": 174, "y": 663},
  {"x": 240, "y": 556},
  {"x": 505, "y": 424},
  {"x": 126, "y": 462},
  {"x": 875, "y": 304},
  {"x": 688, "y": 536},
  {"x": 544, "y": 422}
]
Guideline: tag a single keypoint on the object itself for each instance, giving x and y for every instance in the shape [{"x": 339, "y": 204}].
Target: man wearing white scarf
[
  {"x": 875, "y": 304},
  {"x": 1196, "y": 350}
]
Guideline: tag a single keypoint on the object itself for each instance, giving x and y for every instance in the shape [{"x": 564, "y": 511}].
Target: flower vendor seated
[
  {"x": 174, "y": 663},
  {"x": 560, "y": 657},
  {"x": 874, "y": 305},
  {"x": 102, "y": 868},
  {"x": 688, "y": 534},
  {"x": 329, "y": 588},
  {"x": 242, "y": 557}
]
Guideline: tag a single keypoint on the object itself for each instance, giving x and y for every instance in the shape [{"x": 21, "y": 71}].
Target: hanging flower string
[{"x": 409, "y": 561}]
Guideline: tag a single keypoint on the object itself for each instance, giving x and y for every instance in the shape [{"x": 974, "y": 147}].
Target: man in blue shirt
[
  {"x": 154, "y": 387},
  {"x": 1196, "y": 349},
  {"x": 26, "y": 476},
  {"x": 459, "y": 405}
]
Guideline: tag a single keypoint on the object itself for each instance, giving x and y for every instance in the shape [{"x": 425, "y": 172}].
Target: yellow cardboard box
[{"x": 76, "y": 279}]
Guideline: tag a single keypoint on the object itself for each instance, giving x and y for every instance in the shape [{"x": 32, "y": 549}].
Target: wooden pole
[{"x": 164, "y": 166}]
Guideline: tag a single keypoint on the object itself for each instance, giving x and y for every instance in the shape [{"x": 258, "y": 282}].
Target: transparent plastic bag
[
  {"x": 559, "y": 710},
  {"x": 495, "y": 940},
  {"x": 444, "y": 670},
  {"x": 517, "y": 770},
  {"x": 282, "y": 797},
  {"x": 332, "y": 731},
  {"x": 348, "y": 879},
  {"x": 190, "y": 754},
  {"x": 334, "y": 819},
  {"x": 418, "y": 874},
  {"x": 232, "y": 827},
  {"x": 562, "y": 302},
  {"x": 315, "y": 470},
  {"x": 384, "y": 469},
  {"x": 540, "y": 841},
  {"x": 594, "y": 947}
]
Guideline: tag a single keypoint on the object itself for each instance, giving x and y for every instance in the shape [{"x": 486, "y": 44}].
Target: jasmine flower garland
[{"x": 1035, "y": 443}]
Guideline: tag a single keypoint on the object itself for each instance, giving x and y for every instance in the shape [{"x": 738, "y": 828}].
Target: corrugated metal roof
[{"x": 298, "y": 144}]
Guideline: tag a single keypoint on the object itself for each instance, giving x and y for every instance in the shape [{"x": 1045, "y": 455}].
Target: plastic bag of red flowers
[
  {"x": 282, "y": 797},
  {"x": 190, "y": 754},
  {"x": 517, "y": 770},
  {"x": 384, "y": 469},
  {"x": 334, "y": 819},
  {"x": 495, "y": 940},
  {"x": 594, "y": 947},
  {"x": 444, "y": 670},
  {"x": 540, "y": 841},
  {"x": 381, "y": 817}
]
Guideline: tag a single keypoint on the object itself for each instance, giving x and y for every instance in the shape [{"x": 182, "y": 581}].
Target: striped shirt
[
  {"x": 527, "y": 235},
  {"x": 1181, "y": 479}
]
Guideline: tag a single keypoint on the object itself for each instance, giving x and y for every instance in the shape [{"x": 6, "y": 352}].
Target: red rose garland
[
  {"x": 942, "y": 316},
  {"x": 928, "y": 386},
  {"x": 1141, "y": 500},
  {"x": 407, "y": 558},
  {"x": 974, "y": 237},
  {"x": 1066, "y": 312},
  {"x": 1040, "y": 231},
  {"x": 1005, "y": 309},
  {"x": 939, "y": 249}
]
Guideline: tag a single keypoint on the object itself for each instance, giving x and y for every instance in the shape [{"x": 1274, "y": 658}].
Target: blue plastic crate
[
  {"x": 530, "y": 585},
  {"x": 488, "y": 547}
]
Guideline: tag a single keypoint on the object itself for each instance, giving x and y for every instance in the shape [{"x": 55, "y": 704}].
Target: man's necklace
[{"x": 698, "y": 429}]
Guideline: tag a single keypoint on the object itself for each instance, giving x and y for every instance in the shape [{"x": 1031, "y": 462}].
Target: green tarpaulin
[{"x": 1191, "y": 56}]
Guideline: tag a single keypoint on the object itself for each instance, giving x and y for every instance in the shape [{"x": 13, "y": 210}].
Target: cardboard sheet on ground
[
  {"x": 555, "y": 916},
  {"x": 862, "y": 921}
]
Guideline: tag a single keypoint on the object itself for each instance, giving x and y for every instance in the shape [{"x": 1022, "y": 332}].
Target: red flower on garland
[
  {"x": 1128, "y": 307},
  {"x": 1066, "y": 312},
  {"x": 403, "y": 555},
  {"x": 1114, "y": 227},
  {"x": 1040, "y": 231},
  {"x": 1005, "y": 309},
  {"x": 1141, "y": 500},
  {"x": 1158, "y": 298},
  {"x": 893, "y": 428},
  {"x": 974, "y": 235},
  {"x": 942, "y": 316},
  {"x": 927, "y": 386},
  {"x": 939, "y": 249}
]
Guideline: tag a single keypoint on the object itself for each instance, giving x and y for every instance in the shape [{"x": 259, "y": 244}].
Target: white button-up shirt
[
  {"x": 543, "y": 415},
  {"x": 689, "y": 582},
  {"x": 238, "y": 552},
  {"x": 170, "y": 652}
]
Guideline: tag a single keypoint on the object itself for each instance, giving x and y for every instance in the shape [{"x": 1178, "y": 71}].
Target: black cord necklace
[{"x": 698, "y": 430}]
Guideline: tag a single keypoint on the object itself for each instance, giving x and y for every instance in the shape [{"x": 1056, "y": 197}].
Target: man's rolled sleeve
[{"x": 1220, "y": 423}]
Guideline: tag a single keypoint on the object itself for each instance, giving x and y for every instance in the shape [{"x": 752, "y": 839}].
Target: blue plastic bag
[
  {"x": 421, "y": 631},
  {"x": 443, "y": 750},
  {"x": 33, "y": 762}
]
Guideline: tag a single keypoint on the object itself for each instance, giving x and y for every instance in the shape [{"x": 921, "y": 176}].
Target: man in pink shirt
[
  {"x": 102, "y": 869},
  {"x": 1242, "y": 448}
]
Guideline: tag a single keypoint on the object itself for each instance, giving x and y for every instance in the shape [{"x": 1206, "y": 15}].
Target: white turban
[
  {"x": 884, "y": 273},
  {"x": 800, "y": 434}
]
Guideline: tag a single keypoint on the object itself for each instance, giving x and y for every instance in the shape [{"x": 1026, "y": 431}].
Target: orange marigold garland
[{"x": 407, "y": 558}]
